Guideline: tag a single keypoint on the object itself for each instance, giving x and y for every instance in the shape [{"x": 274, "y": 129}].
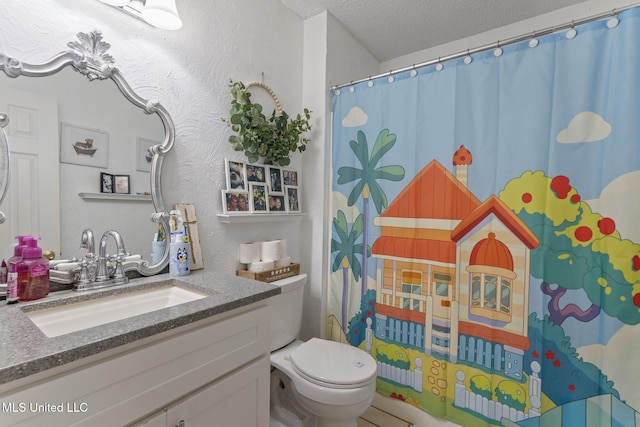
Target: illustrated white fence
[
  {"x": 401, "y": 376},
  {"x": 464, "y": 398}
]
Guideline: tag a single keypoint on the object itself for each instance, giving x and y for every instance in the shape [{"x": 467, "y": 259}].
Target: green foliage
[
  {"x": 481, "y": 385},
  {"x": 393, "y": 355},
  {"x": 273, "y": 138},
  {"x": 346, "y": 245},
  {"x": 367, "y": 177},
  {"x": 577, "y": 250},
  {"x": 511, "y": 394}
]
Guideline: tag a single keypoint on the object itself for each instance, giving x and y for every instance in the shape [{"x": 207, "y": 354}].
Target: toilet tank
[{"x": 286, "y": 310}]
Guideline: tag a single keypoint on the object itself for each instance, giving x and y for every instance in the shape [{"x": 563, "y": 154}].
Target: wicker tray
[{"x": 271, "y": 275}]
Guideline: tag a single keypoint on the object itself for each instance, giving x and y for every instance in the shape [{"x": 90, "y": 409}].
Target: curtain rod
[{"x": 499, "y": 43}]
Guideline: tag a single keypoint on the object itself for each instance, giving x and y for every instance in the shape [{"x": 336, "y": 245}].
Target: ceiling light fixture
[{"x": 162, "y": 14}]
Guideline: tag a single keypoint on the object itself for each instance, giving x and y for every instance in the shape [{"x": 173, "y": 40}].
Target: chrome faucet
[
  {"x": 96, "y": 272},
  {"x": 103, "y": 273}
]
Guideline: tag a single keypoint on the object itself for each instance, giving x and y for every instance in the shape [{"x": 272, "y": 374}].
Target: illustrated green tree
[
  {"x": 346, "y": 247},
  {"x": 579, "y": 250},
  {"x": 367, "y": 178}
]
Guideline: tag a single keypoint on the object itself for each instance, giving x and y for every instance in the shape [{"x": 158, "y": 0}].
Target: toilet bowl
[
  {"x": 333, "y": 381},
  {"x": 317, "y": 383}
]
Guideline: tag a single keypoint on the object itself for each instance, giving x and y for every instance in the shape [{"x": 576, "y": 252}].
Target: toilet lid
[{"x": 333, "y": 364}]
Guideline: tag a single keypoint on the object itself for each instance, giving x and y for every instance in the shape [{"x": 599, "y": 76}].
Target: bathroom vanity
[
  {"x": 198, "y": 362},
  {"x": 202, "y": 363}
]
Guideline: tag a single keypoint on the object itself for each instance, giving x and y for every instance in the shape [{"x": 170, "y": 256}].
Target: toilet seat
[{"x": 333, "y": 365}]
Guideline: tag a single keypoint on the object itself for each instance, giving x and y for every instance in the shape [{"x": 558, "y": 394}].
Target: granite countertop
[{"x": 26, "y": 350}]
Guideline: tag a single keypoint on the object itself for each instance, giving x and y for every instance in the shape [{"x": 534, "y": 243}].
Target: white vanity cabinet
[{"x": 214, "y": 372}]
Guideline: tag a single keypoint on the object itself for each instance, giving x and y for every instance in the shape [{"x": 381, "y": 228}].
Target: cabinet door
[{"x": 240, "y": 399}]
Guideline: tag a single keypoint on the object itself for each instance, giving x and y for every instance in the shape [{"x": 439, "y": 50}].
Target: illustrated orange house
[{"x": 453, "y": 272}]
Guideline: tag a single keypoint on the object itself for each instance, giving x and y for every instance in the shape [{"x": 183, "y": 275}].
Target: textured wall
[{"x": 188, "y": 72}]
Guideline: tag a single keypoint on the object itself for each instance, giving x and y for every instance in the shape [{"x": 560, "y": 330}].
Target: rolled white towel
[
  {"x": 54, "y": 262},
  {"x": 66, "y": 266}
]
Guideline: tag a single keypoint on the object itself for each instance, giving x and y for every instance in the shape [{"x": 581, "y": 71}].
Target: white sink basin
[{"x": 74, "y": 317}]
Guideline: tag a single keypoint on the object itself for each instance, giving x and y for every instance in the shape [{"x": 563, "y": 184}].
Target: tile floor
[{"x": 375, "y": 417}]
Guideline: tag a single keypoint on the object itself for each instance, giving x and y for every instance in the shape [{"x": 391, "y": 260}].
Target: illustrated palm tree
[
  {"x": 367, "y": 181},
  {"x": 347, "y": 248}
]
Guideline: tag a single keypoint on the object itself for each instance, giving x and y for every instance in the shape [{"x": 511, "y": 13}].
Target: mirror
[{"x": 76, "y": 122}]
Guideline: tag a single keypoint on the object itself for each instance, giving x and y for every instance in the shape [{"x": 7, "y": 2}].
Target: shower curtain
[{"x": 485, "y": 247}]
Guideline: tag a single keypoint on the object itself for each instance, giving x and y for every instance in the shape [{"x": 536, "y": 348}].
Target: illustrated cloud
[
  {"x": 584, "y": 127},
  {"x": 356, "y": 117}
]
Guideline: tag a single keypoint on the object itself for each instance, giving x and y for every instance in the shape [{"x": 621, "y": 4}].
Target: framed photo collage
[{"x": 253, "y": 188}]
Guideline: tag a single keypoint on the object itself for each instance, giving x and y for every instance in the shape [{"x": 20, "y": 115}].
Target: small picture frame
[
  {"x": 256, "y": 173},
  {"x": 277, "y": 203},
  {"x": 236, "y": 174},
  {"x": 275, "y": 180},
  {"x": 290, "y": 177},
  {"x": 292, "y": 194},
  {"x": 84, "y": 146},
  {"x": 258, "y": 197},
  {"x": 121, "y": 184},
  {"x": 143, "y": 155},
  {"x": 106, "y": 183},
  {"x": 235, "y": 202}
]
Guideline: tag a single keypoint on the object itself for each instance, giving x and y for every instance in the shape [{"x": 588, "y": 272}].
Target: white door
[{"x": 32, "y": 203}]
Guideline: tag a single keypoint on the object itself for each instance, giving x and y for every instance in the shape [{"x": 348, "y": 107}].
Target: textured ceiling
[{"x": 393, "y": 28}]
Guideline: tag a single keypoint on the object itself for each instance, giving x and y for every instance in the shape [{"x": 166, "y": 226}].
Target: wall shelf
[
  {"x": 252, "y": 218},
  {"x": 116, "y": 196}
]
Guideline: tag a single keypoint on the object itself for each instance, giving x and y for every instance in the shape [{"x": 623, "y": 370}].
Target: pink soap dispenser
[
  {"x": 17, "y": 251},
  {"x": 37, "y": 270}
]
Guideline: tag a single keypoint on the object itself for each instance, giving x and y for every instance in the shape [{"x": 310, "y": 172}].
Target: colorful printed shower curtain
[{"x": 485, "y": 246}]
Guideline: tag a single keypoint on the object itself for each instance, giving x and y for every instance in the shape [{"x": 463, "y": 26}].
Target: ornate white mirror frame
[{"x": 88, "y": 55}]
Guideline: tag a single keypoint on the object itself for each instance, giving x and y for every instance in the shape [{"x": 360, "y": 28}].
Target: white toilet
[{"x": 317, "y": 383}]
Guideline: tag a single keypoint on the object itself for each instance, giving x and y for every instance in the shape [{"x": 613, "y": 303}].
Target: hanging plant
[{"x": 273, "y": 138}]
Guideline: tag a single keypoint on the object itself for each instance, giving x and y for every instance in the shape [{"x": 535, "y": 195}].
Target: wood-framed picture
[
  {"x": 106, "y": 182},
  {"x": 143, "y": 155},
  {"x": 275, "y": 180},
  {"x": 236, "y": 175},
  {"x": 258, "y": 197},
  {"x": 276, "y": 203},
  {"x": 256, "y": 173},
  {"x": 121, "y": 184},
  {"x": 290, "y": 177},
  {"x": 84, "y": 146},
  {"x": 235, "y": 202},
  {"x": 292, "y": 196}
]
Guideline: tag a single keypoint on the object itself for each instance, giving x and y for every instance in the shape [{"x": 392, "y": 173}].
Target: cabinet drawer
[{"x": 128, "y": 386}]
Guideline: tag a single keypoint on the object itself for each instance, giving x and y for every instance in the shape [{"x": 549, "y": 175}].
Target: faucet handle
[
  {"x": 86, "y": 273},
  {"x": 118, "y": 272}
]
